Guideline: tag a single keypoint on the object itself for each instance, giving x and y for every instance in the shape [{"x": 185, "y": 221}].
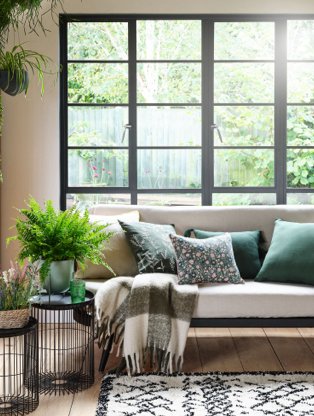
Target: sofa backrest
[{"x": 225, "y": 218}]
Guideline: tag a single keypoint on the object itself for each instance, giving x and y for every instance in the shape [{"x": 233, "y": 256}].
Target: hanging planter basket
[
  {"x": 13, "y": 84},
  {"x": 16, "y": 318}
]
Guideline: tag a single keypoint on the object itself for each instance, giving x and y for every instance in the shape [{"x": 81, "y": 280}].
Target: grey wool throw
[{"x": 149, "y": 317}]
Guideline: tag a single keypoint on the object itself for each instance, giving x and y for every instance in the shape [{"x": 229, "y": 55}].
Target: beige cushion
[{"x": 118, "y": 253}]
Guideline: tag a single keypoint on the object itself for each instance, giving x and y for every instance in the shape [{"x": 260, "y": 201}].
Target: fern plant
[{"x": 49, "y": 235}]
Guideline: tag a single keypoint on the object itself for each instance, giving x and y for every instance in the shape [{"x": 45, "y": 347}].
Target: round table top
[{"x": 60, "y": 301}]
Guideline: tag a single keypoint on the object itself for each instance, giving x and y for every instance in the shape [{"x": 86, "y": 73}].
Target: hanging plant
[
  {"x": 29, "y": 13},
  {"x": 14, "y": 68}
]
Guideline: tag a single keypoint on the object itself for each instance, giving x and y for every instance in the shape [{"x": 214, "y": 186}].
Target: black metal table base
[
  {"x": 19, "y": 370},
  {"x": 67, "y": 383},
  {"x": 66, "y": 343},
  {"x": 17, "y": 405}
]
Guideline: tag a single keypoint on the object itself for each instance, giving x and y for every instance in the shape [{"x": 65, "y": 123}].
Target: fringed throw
[{"x": 150, "y": 316}]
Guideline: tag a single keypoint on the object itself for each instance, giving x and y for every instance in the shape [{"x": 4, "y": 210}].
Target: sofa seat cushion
[
  {"x": 251, "y": 300},
  {"x": 254, "y": 300}
]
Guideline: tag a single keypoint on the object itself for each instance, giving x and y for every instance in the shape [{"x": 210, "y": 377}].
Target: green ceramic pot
[{"x": 59, "y": 277}]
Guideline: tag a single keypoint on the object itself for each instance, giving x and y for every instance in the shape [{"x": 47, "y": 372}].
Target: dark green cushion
[
  {"x": 151, "y": 246},
  {"x": 290, "y": 258},
  {"x": 245, "y": 247}
]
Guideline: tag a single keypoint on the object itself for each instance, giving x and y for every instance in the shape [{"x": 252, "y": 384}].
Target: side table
[
  {"x": 66, "y": 343},
  {"x": 19, "y": 370}
]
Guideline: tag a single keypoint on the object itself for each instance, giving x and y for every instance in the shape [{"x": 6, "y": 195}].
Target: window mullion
[
  {"x": 207, "y": 110},
  {"x": 281, "y": 110},
  {"x": 132, "y": 112}
]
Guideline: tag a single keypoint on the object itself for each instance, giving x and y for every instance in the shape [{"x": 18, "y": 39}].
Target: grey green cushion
[
  {"x": 209, "y": 260},
  {"x": 151, "y": 246},
  {"x": 290, "y": 258},
  {"x": 245, "y": 247}
]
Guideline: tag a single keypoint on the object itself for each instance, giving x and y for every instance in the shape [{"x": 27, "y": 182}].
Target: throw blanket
[{"x": 149, "y": 315}]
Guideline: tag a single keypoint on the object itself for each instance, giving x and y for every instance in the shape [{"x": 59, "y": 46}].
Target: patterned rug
[{"x": 219, "y": 394}]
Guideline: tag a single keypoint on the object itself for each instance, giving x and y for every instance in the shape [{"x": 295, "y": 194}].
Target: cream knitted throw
[{"x": 149, "y": 315}]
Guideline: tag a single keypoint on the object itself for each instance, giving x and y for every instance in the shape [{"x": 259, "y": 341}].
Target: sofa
[{"x": 243, "y": 305}]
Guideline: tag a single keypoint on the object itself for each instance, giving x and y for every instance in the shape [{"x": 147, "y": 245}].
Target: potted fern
[
  {"x": 57, "y": 240},
  {"x": 15, "y": 66}
]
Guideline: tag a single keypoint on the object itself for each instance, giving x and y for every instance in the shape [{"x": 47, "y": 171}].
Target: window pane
[
  {"x": 300, "y": 82},
  {"x": 98, "y": 40},
  {"x": 244, "y": 40},
  {"x": 169, "y": 199},
  {"x": 300, "y": 39},
  {"x": 168, "y": 39},
  {"x": 169, "y": 83},
  {"x": 84, "y": 201},
  {"x": 244, "y": 199},
  {"x": 166, "y": 169},
  {"x": 244, "y": 83},
  {"x": 169, "y": 126},
  {"x": 300, "y": 199},
  {"x": 300, "y": 168},
  {"x": 244, "y": 167},
  {"x": 244, "y": 126},
  {"x": 98, "y": 83},
  {"x": 98, "y": 167},
  {"x": 300, "y": 126},
  {"x": 97, "y": 126}
]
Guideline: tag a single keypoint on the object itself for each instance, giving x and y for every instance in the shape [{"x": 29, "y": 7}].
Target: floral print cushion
[{"x": 210, "y": 260}]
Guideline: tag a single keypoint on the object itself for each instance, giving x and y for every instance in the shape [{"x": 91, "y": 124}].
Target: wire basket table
[
  {"x": 19, "y": 370},
  {"x": 66, "y": 343}
]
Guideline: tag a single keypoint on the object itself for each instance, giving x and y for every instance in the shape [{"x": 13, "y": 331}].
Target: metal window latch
[
  {"x": 215, "y": 127},
  {"x": 126, "y": 127}
]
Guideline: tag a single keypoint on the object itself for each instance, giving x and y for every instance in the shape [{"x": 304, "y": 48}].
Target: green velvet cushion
[
  {"x": 245, "y": 247},
  {"x": 151, "y": 246},
  {"x": 290, "y": 258}
]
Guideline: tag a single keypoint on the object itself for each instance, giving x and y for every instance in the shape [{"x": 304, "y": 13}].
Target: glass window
[{"x": 187, "y": 110}]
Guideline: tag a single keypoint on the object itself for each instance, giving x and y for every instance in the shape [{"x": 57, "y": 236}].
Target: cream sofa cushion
[
  {"x": 251, "y": 300},
  {"x": 118, "y": 253}
]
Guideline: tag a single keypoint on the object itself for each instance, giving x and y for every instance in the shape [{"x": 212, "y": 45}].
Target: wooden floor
[{"x": 225, "y": 349}]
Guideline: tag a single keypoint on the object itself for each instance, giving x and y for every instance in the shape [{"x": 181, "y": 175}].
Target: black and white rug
[{"x": 219, "y": 394}]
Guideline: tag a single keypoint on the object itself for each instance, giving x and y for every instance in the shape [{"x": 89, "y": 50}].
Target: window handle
[
  {"x": 126, "y": 127},
  {"x": 215, "y": 127}
]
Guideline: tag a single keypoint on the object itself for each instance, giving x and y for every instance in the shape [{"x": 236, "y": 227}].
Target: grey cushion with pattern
[
  {"x": 151, "y": 246},
  {"x": 205, "y": 261}
]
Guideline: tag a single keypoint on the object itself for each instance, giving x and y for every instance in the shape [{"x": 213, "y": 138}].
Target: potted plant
[
  {"x": 58, "y": 240},
  {"x": 17, "y": 285},
  {"x": 14, "y": 68}
]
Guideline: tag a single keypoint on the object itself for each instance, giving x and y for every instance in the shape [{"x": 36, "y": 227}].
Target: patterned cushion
[
  {"x": 152, "y": 246},
  {"x": 205, "y": 261}
]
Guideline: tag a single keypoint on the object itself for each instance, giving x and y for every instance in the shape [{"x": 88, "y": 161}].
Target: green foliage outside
[{"x": 49, "y": 235}]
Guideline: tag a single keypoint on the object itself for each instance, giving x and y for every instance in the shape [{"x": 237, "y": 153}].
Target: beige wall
[{"x": 30, "y": 142}]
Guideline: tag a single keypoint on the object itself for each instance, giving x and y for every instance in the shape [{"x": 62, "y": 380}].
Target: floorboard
[
  {"x": 254, "y": 350},
  {"x": 217, "y": 350},
  {"x": 291, "y": 349}
]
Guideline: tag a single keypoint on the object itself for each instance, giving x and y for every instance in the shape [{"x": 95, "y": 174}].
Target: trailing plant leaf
[
  {"x": 28, "y": 13},
  {"x": 48, "y": 235}
]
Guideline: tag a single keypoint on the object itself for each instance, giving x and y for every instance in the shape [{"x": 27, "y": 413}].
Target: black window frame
[{"x": 207, "y": 106}]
